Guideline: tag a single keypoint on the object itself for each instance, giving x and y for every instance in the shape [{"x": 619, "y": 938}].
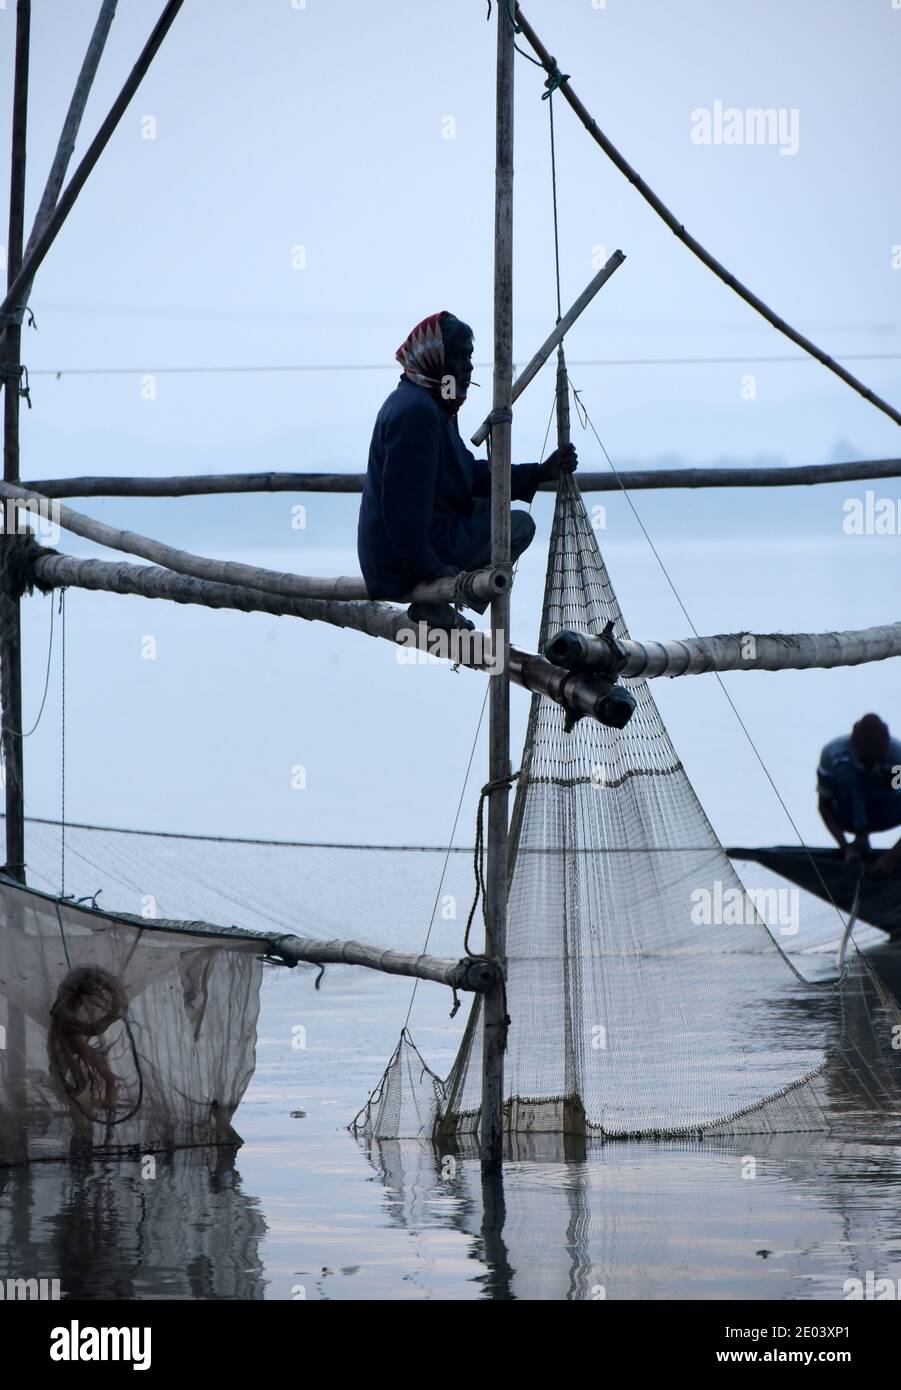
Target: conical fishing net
[{"x": 647, "y": 994}]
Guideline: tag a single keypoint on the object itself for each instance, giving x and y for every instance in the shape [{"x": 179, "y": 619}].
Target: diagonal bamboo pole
[
  {"x": 13, "y": 304},
  {"x": 627, "y": 480},
  {"x": 475, "y": 584},
  {"x": 549, "y": 64},
  {"x": 554, "y": 339},
  {"x": 69, "y": 134}
]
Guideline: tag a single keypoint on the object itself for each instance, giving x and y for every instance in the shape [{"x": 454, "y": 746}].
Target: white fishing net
[
  {"x": 646, "y": 994},
  {"x": 118, "y": 1038}
]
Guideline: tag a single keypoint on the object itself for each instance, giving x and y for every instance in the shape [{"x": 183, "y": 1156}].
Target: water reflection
[
  {"x": 122, "y": 1231},
  {"x": 757, "y": 1217}
]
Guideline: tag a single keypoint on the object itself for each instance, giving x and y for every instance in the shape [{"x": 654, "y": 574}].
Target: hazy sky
[{"x": 324, "y": 128}]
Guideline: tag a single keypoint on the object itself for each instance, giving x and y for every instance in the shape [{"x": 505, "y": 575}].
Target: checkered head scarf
[{"x": 423, "y": 357}]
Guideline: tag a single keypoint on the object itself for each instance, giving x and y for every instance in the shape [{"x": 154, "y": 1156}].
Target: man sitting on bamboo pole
[
  {"x": 859, "y": 787},
  {"x": 425, "y": 512}
]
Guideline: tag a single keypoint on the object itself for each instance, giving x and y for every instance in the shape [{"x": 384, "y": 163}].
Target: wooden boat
[{"x": 829, "y": 876}]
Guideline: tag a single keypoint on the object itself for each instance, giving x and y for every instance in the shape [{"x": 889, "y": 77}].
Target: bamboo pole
[
  {"x": 494, "y": 1028},
  {"x": 464, "y": 587},
  {"x": 580, "y": 690},
  {"x": 13, "y": 303},
  {"x": 472, "y": 975},
  {"x": 627, "y": 480},
  {"x": 554, "y": 339},
  {"x": 10, "y": 609},
  {"x": 476, "y": 976},
  {"x": 71, "y": 126},
  {"x": 740, "y": 651},
  {"x": 580, "y": 695},
  {"x": 549, "y": 64}
]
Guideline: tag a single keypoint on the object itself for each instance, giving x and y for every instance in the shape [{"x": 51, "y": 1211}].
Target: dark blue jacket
[{"x": 417, "y": 514}]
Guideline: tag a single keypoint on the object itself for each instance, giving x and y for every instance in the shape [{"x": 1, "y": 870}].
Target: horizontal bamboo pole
[
  {"x": 627, "y": 480},
  {"x": 472, "y": 973},
  {"x": 477, "y": 584},
  {"x": 469, "y": 649},
  {"x": 549, "y": 63},
  {"x": 740, "y": 651},
  {"x": 476, "y": 976},
  {"x": 556, "y": 336}
]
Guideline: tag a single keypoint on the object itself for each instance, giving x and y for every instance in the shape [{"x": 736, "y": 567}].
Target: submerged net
[
  {"x": 647, "y": 995},
  {"x": 117, "y": 1037}
]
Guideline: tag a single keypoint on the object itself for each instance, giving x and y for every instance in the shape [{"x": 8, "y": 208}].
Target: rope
[
  {"x": 478, "y": 859},
  {"x": 88, "y": 1002},
  {"x": 18, "y": 732},
  {"x": 16, "y": 373}
]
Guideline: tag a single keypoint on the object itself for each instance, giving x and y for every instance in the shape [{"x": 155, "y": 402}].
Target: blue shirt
[{"x": 839, "y": 768}]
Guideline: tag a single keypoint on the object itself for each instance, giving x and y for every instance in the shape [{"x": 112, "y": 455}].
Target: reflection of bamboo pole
[
  {"x": 555, "y": 337},
  {"x": 739, "y": 651},
  {"x": 628, "y": 480},
  {"x": 566, "y": 91},
  {"x": 580, "y": 695},
  {"x": 478, "y": 584}
]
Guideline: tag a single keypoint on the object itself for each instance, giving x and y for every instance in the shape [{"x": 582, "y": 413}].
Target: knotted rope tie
[
  {"x": 17, "y": 374},
  {"x": 502, "y": 415},
  {"x": 479, "y": 871},
  {"x": 555, "y": 80},
  {"x": 17, "y": 317}
]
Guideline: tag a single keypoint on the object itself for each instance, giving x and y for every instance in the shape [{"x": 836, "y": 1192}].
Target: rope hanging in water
[{"x": 88, "y": 1002}]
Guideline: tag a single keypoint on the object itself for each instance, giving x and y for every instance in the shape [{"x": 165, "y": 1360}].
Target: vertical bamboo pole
[
  {"x": 11, "y": 635},
  {"x": 492, "y": 1116}
]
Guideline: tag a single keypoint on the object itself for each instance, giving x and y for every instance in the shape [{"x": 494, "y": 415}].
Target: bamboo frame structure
[
  {"x": 580, "y": 695},
  {"x": 740, "y": 651},
  {"x": 463, "y": 588},
  {"x": 554, "y": 339},
  {"x": 625, "y": 480},
  {"x": 549, "y": 64},
  {"x": 71, "y": 127},
  {"x": 12, "y": 304}
]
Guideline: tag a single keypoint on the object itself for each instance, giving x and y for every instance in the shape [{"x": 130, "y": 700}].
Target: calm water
[{"x": 306, "y": 1211}]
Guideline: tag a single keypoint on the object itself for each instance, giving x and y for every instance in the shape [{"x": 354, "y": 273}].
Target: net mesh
[
  {"x": 647, "y": 994},
  {"x": 117, "y": 1038}
]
